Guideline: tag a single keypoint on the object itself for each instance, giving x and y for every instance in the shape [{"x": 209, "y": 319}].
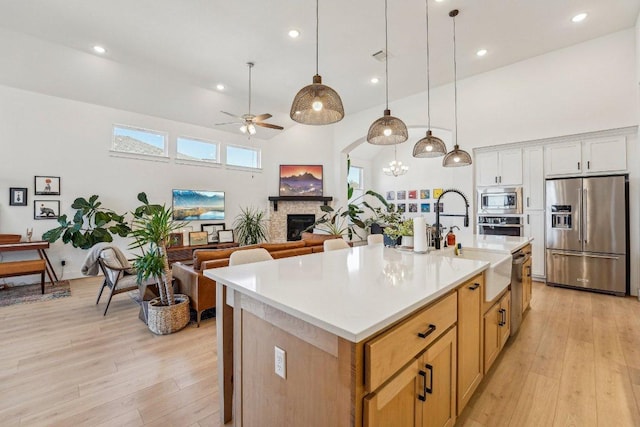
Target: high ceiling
[{"x": 205, "y": 42}]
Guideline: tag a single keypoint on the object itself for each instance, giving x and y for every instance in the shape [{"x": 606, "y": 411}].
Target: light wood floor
[{"x": 575, "y": 361}]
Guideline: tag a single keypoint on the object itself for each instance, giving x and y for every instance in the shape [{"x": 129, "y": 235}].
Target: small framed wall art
[
  {"x": 47, "y": 185},
  {"x": 46, "y": 209},
  {"x": 175, "y": 239},
  {"x": 425, "y": 194},
  {"x": 212, "y": 231},
  {"x": 197, "y": 238},
  {"x": 17, "y": 196},
  {"x": 225, "y": 236},
  {"x": 413, "y": 194}
]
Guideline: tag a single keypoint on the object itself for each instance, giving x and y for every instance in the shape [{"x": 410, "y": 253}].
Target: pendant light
[
  {"x": 429, "y": 146},
  {"x": 317, "y": 104},
  {"x": 387, "y": 129},
  {"x": 395, "y": 168},
  {"x": 455, "y": 157}
]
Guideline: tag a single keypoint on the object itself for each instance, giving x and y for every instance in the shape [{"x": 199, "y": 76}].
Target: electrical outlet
[{"x": 280, "y": 362}]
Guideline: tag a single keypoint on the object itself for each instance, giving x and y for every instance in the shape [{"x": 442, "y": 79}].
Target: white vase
[{"x": 407, "y": 241}]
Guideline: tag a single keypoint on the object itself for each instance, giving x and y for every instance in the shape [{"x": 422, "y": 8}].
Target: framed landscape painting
[{"x": 300, "y": 180}]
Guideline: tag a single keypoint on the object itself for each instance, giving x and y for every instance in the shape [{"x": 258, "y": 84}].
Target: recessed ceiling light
[
  {"x": 374, "y": 80},
  {"x": 220, "y": 86},
  {"x": 481, "y": 52},
  {"x": 579, "y": 17},
  {"x": 99, "y": 49},
  {"x": 294, "y": 34}
]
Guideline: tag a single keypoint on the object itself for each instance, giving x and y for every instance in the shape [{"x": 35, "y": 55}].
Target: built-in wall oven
[
  {"x": 500, "y": 200},
  {"x": 500, "y": 225}
]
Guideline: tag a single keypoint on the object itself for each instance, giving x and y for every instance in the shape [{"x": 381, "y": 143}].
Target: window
[
  {"x": 355, "y": 177},
  {"x": 243, "y": 157},
  {"x": 197, "y": 150},
  {"x": 139, "y": 141}
]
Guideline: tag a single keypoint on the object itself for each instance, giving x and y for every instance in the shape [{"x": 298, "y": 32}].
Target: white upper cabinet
[
  {"x": 605, "y": 154},
  {"x": 586, "y": 157},
  {"x": 502, "y": 167},
  {"x": 533, "y": 177}
]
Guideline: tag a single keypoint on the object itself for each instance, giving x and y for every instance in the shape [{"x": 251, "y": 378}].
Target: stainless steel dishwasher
[{"x": 519, "y": 258}]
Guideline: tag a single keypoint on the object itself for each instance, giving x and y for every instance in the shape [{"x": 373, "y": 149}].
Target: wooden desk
[{"x": 38, "y": 246}]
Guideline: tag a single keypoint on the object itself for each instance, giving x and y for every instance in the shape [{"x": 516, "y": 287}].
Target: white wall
[{"x": 46, "y": 135}]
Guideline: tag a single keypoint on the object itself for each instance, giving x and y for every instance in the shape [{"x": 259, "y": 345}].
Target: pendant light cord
[
  {"x": 386, "y": 52},
  {"x": 317, "y": 31},
  {"x": 428, "y": 85},
  {"x": 455, "y": 83}
]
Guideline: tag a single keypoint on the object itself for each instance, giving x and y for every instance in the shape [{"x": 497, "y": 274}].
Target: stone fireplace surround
[{"x": 277, "y": 226}]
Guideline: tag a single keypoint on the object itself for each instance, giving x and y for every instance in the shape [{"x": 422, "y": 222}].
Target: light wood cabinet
[
  {"x": 503, "y": 167},
  {"x": 526, "y": 285},
  {"x": 470, "y": 358},
  {"x": 422, "y": 394},
  {"x": 596, "y": 155},
  {"x": 497, "y": 323}
]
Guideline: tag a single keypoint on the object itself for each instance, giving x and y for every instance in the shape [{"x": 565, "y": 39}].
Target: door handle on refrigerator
[
  {"x": 613, "y": 257},
  {"x": 584, "y": 216},
  {"x": 579, "y": 215}
]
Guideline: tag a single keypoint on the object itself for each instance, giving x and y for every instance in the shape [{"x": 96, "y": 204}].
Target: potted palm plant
[
  {"x": 150, "y": 229},
  {"x": 249, "y": 226}
]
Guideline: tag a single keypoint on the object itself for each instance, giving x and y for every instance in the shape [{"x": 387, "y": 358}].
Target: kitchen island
[{"x": 356, "y": 326}]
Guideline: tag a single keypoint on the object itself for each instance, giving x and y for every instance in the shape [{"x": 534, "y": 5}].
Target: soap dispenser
[{"x": 451, "y": 237}]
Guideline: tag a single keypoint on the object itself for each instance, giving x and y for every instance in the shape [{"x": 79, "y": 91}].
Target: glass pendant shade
[
  {"x": 456, "y": 158},
  {"x": 429, "y": 146},
  {"x": 317, "y": 104},
  {"x": 387, "y": 130}
]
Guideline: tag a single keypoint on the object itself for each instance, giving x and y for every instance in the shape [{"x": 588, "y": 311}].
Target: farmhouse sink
[{"x": 498, "y": 275}]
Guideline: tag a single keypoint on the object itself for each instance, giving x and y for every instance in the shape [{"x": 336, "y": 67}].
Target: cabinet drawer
[{"x": 387, "y": 353}]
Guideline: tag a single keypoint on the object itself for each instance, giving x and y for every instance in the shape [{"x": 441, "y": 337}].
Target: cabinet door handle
[
  {"x": 578, "y": 165},
  {"x": 430, "y": 388},
  {"x": 588, "y": 164},
  {"x": 423, "y": 396},
  {"x": 474, "y": 286},
  {"x": 527, "y": 201},
  {"x": 528, "y": 271},
  {"x": 500, "y": 179},
  {"x": 502, "y": 321},
  {"x": 428, "y": 332},
  {"x": 527, "y": 219},
  {"x": 496, "y": 179}
]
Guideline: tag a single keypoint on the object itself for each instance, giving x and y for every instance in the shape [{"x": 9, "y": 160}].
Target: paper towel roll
[{"x": 419, "y": 234}]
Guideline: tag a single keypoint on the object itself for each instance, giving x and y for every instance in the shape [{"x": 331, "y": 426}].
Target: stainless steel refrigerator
[{"x": 588, "y": 233}]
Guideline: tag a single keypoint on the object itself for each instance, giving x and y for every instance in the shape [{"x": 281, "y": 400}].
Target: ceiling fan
[{"x": 249, "y": 121}]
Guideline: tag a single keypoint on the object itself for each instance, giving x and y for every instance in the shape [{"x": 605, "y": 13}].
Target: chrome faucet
[{"x": 438, "y": 225}]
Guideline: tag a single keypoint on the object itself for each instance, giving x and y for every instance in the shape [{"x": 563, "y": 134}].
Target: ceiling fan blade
[
  {"x": 232, "y": 115},
  {"x": 229, "y": 123},
  {"x": 268, "y": 125},
  {"x": 262, "y": 117}
]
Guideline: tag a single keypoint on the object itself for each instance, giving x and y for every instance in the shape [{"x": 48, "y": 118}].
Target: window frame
[
  {"x": 157, "y": 157},
  {"x": 242, "y": 167},
  {"x": 216, "y": 162}
]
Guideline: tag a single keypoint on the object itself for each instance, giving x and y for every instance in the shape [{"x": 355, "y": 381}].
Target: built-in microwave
[{"x": 500, "y": 200}]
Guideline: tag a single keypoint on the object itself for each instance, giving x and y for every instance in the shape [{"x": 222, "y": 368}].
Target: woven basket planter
[{"x": 166, "y": 319}]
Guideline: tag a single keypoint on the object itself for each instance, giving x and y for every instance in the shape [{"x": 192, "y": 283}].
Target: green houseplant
[
  {"x": 91, "y": 224},
  {"x": 151, "y": 227},
  {"x": 249, "y": 226}
]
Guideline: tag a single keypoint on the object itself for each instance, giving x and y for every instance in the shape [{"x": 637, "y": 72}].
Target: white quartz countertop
[
  {"x": 353, "y": 293},
  {"x": 494, "y": 243}
]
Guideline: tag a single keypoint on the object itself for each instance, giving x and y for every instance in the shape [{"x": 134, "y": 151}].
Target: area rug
[
  {"x": 11, "y": 295},
  {"x": 207, "y": 314}
]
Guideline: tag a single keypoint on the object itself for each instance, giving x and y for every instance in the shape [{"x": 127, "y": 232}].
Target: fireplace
[{"x": 296, "y": 224}]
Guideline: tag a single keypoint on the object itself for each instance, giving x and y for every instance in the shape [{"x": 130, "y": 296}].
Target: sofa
[{"x": 202, "y": 290}]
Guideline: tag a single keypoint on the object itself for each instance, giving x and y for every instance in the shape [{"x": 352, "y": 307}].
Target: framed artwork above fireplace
[{"x": 301, "y": 180}]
